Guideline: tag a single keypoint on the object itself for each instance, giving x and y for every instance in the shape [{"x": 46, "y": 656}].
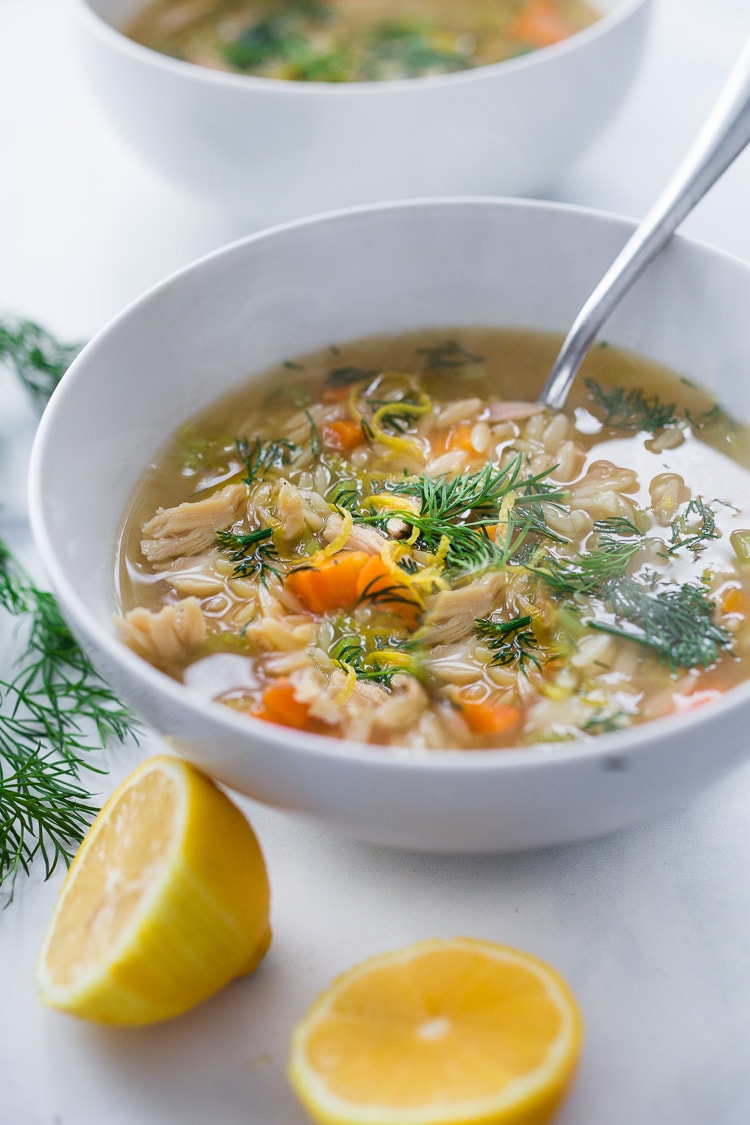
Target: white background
[{"x": 651, "y": 927}]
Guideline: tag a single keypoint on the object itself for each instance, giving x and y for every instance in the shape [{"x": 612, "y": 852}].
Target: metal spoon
[{"x": 722, "y": 138}]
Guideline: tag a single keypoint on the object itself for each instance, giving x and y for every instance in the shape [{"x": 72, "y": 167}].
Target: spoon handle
[{"x": 722, "y": 138}]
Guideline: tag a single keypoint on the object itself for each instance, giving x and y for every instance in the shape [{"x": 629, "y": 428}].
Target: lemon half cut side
[
  {"x": 166, "y": 901},
  {"x": 444, "y": 1032}
]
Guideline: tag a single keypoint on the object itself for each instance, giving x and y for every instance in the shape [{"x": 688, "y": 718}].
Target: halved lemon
[
  {"x": 166, "y": 901},
  {"x": 445, "y": 1032}
]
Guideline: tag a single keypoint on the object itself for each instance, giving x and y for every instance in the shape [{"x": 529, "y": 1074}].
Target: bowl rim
[
  {"x": 114, "y": 38},
  {"x": 605, "y": 749}
]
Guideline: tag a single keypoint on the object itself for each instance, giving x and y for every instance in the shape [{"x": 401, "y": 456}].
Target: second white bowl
[{"x": 269, "y": 150}]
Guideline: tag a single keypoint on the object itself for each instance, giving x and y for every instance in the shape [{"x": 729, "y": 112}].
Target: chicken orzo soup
[
  {"x": 354, "y": 40},
  {"x": 390, "y": 542}
]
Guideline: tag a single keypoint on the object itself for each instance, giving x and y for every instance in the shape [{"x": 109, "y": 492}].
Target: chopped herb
[
  {"x": 293, "y": 366},
  {"x": 346, "y": 376},
  {"x": 393, "y": 594},
  {"x": 253, "y": 552},
  {"x": 589, "y": 573},
  {"x": 630, "y": 409},
  {"x": 259, "y": 456},
  {"x": 509, "y": 641},
  {"x": 617, "y": 525},
  {"x": 315, "y": 445},
  {"x": 448, "y": 355},
  {"x": 693, "y": 528}
]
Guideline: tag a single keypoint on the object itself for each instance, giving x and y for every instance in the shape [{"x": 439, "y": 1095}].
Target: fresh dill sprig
[
  {"x": 510, "y": 642},
  {"x": 676, "y": 623},
  {"x": 37, "y": 358},
  {"x": 54, "y": 710},
  {"x": 460, "y": 510},
  {"x": 315, "y": 442},
  {"x": 253, "y": 552},
  {"x": 591, "y": 572},
  {"x": 617, "y": 525},
  {"x": 44, "y": 811},
  {"x": 630, "y": 409},
  {"x": 445, "y": 499},
  {"x": 258, "y": 456},
  {"x": 694, "y": 528}
]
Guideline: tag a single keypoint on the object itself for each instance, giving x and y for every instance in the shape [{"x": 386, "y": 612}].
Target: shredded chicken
[
  {"x": 290, "y": 512},
  {"x": 294, "y": 512},
  {"x": 167, "y": 635},
  {"x": 451, "y": 613},
  {"x": 405, "y": 704},
  {"x": 191, "y": 527}
]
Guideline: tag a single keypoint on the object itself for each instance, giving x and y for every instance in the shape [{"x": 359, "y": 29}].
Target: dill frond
[
  {"x": 38, "y": 359},
  {"x": 630, "y": 409},
  {"x": 258, "y": 456},
  {"x": 54, "y": 710},
  {"x": 253, "y": 552},
  {"x": 510, "y": 642}
]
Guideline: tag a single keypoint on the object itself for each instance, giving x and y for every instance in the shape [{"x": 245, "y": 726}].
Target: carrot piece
[
  {"x": 484, "y": 717},
  {"x": 333, "y": 393},
  {"x": 735, "y": 601},
  {"x": 539, "y": 24},
  {"x": 332, "y": 584},
  {"x": 454, "y": 438},
  {"x": 280, "y": 705},
  {"x": 376, "y": 583},
  {"x": 342, "y": 434}
]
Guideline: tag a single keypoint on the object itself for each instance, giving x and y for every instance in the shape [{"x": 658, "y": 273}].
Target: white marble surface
[{"x": 651, "y": 926}]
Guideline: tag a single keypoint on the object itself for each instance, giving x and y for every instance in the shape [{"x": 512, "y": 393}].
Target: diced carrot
[
  {"x": 485, "y": 717},
  {"x": 377, "y": 584},
  {"x": 332, "y": 584},
  {"x": 454, "y": 438},
  {"x": 342, "y": 434},
  {"x": 333, "y": 392},
  {"x": 735, "y": 601},
  {"x": 280, "y": 705},
  {"x": 539, "y": 24}
]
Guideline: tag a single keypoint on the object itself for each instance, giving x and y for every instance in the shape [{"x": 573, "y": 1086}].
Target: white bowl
[
  {"x": 268, "y": 150},
  {"x": 300, "y": 287}
]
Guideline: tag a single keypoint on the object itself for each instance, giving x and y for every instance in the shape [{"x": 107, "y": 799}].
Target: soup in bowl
[
  {"x": 334, "y": 551},
  {"x": 270, "y": 116}
]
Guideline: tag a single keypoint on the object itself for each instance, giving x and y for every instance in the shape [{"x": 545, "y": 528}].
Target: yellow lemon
[
  {"x": 166, "y": 901},
  {"x": 456, "y": 1032}
]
